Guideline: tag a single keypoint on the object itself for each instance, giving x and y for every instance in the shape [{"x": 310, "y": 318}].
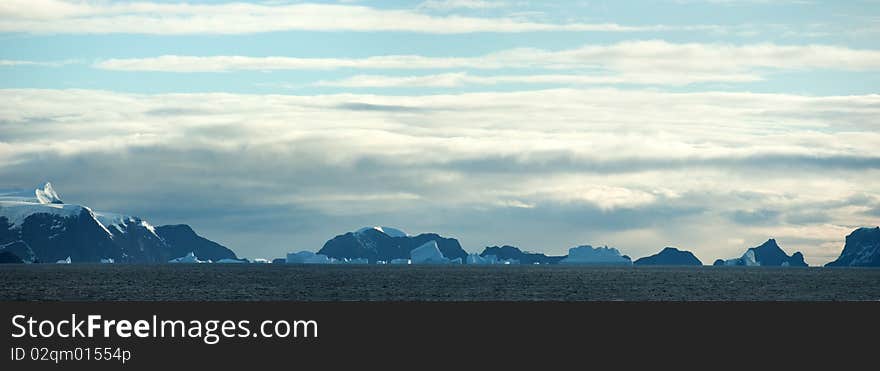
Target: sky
[{"x": 272, "y": 126}]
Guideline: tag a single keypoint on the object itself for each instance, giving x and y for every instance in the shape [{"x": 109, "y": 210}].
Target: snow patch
[
  {"x": 17, "y": 211},
  {"x": 120, "y": 221},
  {"x": 390, "y": 231}
]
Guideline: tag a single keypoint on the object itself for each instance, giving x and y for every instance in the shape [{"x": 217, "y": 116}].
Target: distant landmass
[
  {"x": 511, "y": 253},
  {"x": 40, "y": 227},
  {"x": 670, "y": 256},
  {"x": 384, "y": 244},
  {"x": 7, "y": 257},
  {"x": 768, "y": 254},
  {"x": 862, "y": 249}
]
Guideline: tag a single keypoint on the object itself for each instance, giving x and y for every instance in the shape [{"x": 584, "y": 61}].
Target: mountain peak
[
  {"x": 390, "y": 231},
  {"x": 861, "y": 249},
  {"x": 670, "y": 256},
  {"x": 47, "y": 195},
  {"x": 767, "y": 254}
]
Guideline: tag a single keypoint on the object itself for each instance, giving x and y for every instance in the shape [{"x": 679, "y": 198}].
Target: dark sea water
[{"x": 448, "y": 283}]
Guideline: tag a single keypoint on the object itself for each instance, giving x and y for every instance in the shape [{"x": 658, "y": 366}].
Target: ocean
[{"x": 259, "y": 282}]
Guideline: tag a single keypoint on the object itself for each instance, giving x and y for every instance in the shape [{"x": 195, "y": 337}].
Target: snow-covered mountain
[
  {"x": 386, "y": 244},
  {"x": 40, "y": 227},
  {"x": 769, "y": 254},
  {"x": 862, "y": 249},
  {"x": 670, "y": 256}
]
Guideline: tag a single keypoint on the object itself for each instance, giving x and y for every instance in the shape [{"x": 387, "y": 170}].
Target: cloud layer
[
  {"x": 652, "y": 62},
  {"x": 634, "y": 56},
  {"x": 636, "y": 169},
  {"x": 59, "y": 16}
]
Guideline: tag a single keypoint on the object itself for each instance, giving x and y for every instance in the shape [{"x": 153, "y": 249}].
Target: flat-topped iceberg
[
  {"x": 307, "y": 257},
  {"x": 230, "y": 261},
  {"x": 596, "y": 256}
]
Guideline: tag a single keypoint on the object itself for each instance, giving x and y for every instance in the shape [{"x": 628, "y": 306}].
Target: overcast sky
[{"x": 272, "y": 126}]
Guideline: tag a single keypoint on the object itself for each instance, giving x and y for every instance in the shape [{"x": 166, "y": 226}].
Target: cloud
[
  {"x": 18, "y": 63},
  {"x": 636, "y": 169},
  {"x": 58, "y": 16},
  {"x": 451, "y": 80},
  {"x": 633, "y": 62},
  {"x": 460, "y": 4},
  {"x": 746, "y": 2}
]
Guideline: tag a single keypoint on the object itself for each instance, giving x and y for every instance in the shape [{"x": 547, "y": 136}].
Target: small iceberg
[
  {"x": 307, "y": 257},
  {"x": 352, "y": 261},
  {"x": 230, "y": 261},
  {"x": 64, "y": 261},
  {"x": 428, "y": 253},
  {"x": 107, "y": 261},
  {"x": 189, "y": 258}
]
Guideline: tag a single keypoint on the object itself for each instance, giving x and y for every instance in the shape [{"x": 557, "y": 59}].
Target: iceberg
[
  {"x": 400, "y": 261},
  {"x": 307, "y": 257},
  {"x": 597, "y": 256},
  {"x": 230, "y": 261},
  {"x": 749, "y": 260},
  {"x": 428, "y": 253},
  {"x": 261, "y": 261},
  {"x": 107, "y": 261},
  {"x": 189, "y": 258},
  {"x": 351, "y": 261},
  {"x": 478, "y": 260},
  {"x": 64, "y": 261}
]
